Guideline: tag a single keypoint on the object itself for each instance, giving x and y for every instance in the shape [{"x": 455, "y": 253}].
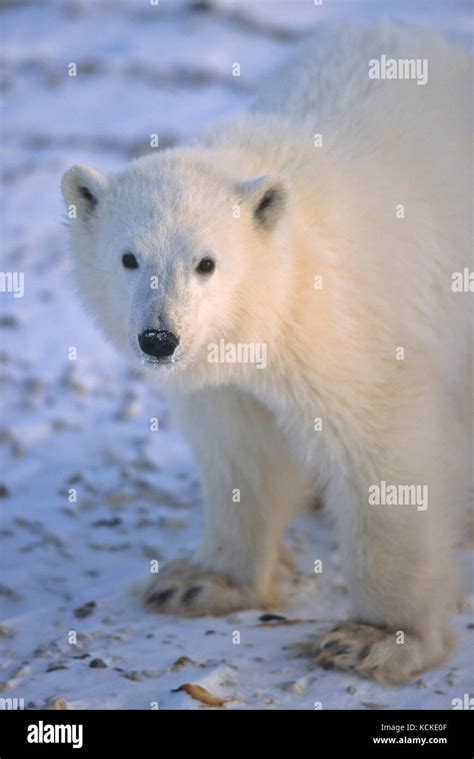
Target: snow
[{"x": 84, "y": 424}]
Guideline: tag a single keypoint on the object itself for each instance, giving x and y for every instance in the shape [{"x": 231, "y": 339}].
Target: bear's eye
[
  {"x": 206, "y": 265},
  {"x": 129, "y": 261}
]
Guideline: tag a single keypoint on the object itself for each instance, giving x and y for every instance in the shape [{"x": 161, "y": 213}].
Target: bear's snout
[{"x": 158, "y": 343}]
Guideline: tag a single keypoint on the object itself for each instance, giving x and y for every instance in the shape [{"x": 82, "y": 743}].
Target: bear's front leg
[
  {"x": 397, "y": 542},
  {"x": 251, "y": 488}
]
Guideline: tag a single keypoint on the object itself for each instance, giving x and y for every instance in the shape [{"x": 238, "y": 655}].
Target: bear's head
[{"x": 174, "y": 255}]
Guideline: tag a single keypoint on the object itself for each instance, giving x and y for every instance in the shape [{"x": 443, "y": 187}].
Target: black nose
[{"x": 158, "y": 343}]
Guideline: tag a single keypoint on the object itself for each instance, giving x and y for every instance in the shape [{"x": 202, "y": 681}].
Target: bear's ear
[
  {"x": 269, "y": 198},
  {"x": 83, "y": 187}
]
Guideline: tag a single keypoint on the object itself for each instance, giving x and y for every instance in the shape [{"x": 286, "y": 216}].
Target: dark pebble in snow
[
  {"x": 134, "y": 675},
  {"x": 271, "y": 618},
  {"x": 202, "y": 6},
  {"x": 107, "y": 522},
  {"x": 9, "y": 321},
  {"x": 85, "y": 610},
  {"x": 9, "y": 593},
  {"x": 98, "y": 664},
  {"x": 55, "y": 667},
  {"x": 4, "y": 492}
]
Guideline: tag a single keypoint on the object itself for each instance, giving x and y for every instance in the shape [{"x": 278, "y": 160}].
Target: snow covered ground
[{"x": 70, "y": 629}]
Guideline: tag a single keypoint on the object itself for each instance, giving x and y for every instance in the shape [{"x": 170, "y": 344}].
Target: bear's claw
[
  {"x": 185, "y": 589},
  {"x": 375, "y": 653}
]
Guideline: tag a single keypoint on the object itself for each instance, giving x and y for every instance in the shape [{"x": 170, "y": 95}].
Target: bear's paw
[
  {"x": 185, "y": 589},
  {"x": 386, "y": 656}
]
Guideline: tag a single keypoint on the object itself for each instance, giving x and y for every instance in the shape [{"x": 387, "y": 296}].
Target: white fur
[{"x": 331, "y": 352}]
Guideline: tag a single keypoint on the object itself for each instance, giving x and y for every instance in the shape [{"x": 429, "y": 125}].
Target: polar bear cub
[{"x": 288, "y": 279}]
